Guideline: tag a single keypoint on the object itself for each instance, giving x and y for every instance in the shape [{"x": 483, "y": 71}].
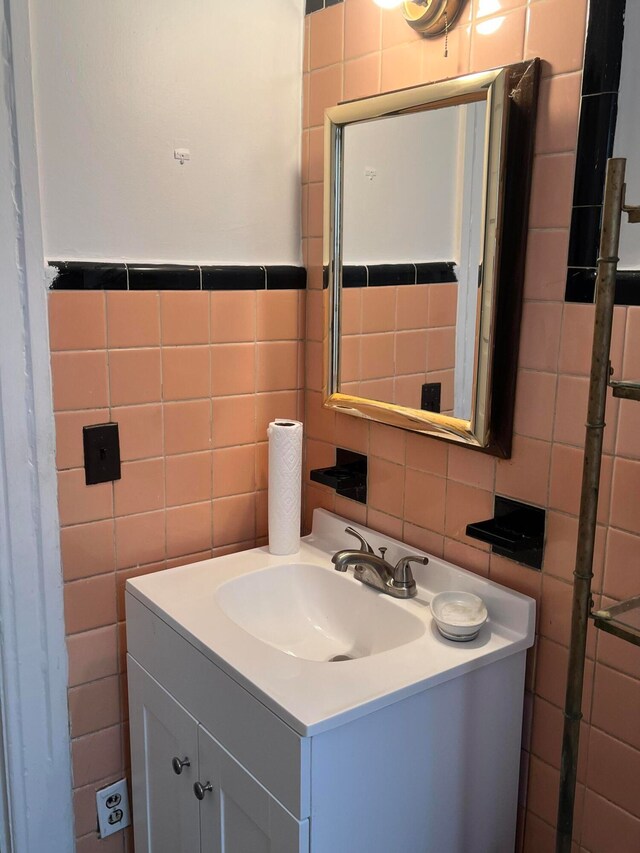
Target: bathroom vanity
[{"x": 251, "y": 732}]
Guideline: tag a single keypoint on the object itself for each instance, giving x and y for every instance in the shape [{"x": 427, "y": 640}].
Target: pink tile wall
[
  {"x": 425, "y": 491},
  {"x": 192, "y": 379},
  {"x": 387, "y": 354}
]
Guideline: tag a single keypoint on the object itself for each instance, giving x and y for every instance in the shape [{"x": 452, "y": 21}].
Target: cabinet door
[
  {"x": 165, "y": 810},
  {"x": 238, "y": 815}
]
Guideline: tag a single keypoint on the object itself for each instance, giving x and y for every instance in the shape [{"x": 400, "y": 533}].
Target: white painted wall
[
  {"x": 120, "y": 84},
  {"x": 408, "y": 211},
  {"x": 628, "y": 132}
]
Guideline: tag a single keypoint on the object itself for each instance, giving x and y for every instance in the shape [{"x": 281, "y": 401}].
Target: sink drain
[{"x": 337, "y": 658}]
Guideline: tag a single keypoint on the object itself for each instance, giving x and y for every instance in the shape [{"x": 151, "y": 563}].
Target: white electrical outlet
[{"x": 112, "y": 803}]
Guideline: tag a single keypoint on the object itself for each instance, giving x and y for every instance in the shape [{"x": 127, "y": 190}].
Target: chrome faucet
[{"x": 375, "y": 571}]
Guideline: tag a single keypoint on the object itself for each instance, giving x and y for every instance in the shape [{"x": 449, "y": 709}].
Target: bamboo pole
[{"x": 600, "y": 369}]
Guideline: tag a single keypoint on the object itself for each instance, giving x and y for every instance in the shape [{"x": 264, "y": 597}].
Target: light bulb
[{"x": 388, "y": 4}]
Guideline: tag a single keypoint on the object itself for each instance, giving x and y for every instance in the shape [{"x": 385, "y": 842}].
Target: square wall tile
[
  {"x": 79, "y": 380},
  {"x": 362, "y": 28},
  {"x": 77, "y": 321},
  {"x": 188, "y": 529},
  {"x": 234, "y": 519},
  {"x": 92, "y": 655},
  {"x": 187, "y": 426},
  {"x": 233, "y": 369},
  {"x": 141, "y": 488},
  {"x": 78, "y": 503},
  {"x": 140, "y": 430},
  {"x": 498, "y": 41},
  {"x": 133, "y": 319},
  {"x": 326, "y": 37},
  {"x": 140, "y": 539},
  {"x": 233, "y": 316},
  {"x": 188, "y": 478},
  {"x": 90, "y": 603},
  {"x": 325, "y": 90},
  {"x": 87, "y": 549},
  {"x": 556, "y": 33},
  {"x": 185, "y": 372},
  {"x": 134, "y": 376},
  {"x": 96, "y": 755},
  {"x": 185, "y": 317}
]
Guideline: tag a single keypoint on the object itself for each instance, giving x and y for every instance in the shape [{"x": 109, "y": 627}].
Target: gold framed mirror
[{"x": 426, "y": 201}]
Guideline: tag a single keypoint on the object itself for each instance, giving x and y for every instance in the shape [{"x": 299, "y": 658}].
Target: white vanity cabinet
[
  {"x": 236, "y": 814},
  {"x": 412, "y": 745}
]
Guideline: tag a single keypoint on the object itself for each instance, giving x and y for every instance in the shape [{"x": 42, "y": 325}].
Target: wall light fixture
[{"x": 429, "y": 17}]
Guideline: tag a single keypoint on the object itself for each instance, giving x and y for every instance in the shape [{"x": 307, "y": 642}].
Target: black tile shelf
[
  {"x": 516, "y": 531},
  {"x": 348, "y": 476},
  {"x": 78, "y": 275}
]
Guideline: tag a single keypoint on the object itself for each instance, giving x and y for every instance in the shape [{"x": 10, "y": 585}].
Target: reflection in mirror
[{"x": 411, "y": 253}]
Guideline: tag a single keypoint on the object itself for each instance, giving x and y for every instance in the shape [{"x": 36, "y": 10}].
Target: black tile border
[
  {"x": 317, "y": 5},
  {"x": 393, "y": 275},
  {"x": 598, "y": 114},
  {"x": 73, "y": 275},
  {"x": 233, "y": 278},
  {"x": 78, "y": 275},
  {"x": 163, "y": 277},
  {"x": 581, "y": 286}
]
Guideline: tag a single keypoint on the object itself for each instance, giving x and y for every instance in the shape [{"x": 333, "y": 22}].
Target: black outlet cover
[
  {"x": 101, "y": 453},
  {"x": 431, "y": 397}
]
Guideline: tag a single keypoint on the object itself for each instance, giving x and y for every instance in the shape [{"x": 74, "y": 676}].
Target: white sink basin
[
  {"x": 311, "y": 613},
  {"x": 274, "y": 624}
]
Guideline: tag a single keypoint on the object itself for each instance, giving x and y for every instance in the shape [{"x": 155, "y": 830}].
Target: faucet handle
[
  {"x": 402, "y": 574},
  {"x": 364, "y": 545},
  {"x": 383, "y": 551}
]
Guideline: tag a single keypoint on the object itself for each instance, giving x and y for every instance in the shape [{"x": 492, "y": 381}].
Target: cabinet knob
[
  {"x": 200, "y": 790},
  {"x": 179, "y": 765}
]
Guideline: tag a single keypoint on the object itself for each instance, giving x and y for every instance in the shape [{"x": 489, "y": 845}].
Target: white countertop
[{"x": 313, "y": 696}]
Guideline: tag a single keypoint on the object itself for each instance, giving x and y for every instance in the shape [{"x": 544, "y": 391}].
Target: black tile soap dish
[
  {"x": 516, "y": 531},
  {"x": 348, "y": 476}
]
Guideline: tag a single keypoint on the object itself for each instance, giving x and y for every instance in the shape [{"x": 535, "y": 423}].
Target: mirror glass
[{"x": 412, "y": 228}]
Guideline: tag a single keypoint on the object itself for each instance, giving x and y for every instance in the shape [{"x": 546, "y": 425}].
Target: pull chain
[{"x": 446, "y": 34}]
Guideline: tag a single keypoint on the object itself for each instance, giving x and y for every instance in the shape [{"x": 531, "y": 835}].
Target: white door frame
[{"x": 33, "y": 659}]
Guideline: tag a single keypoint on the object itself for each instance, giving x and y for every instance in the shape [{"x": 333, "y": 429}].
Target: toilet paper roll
[{"x": 285, "y": 485}]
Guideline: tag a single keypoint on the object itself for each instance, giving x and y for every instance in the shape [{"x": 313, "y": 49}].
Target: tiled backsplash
[
  {"x": 193, "y": 379},
  {"x": 424, "y": 491}
]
